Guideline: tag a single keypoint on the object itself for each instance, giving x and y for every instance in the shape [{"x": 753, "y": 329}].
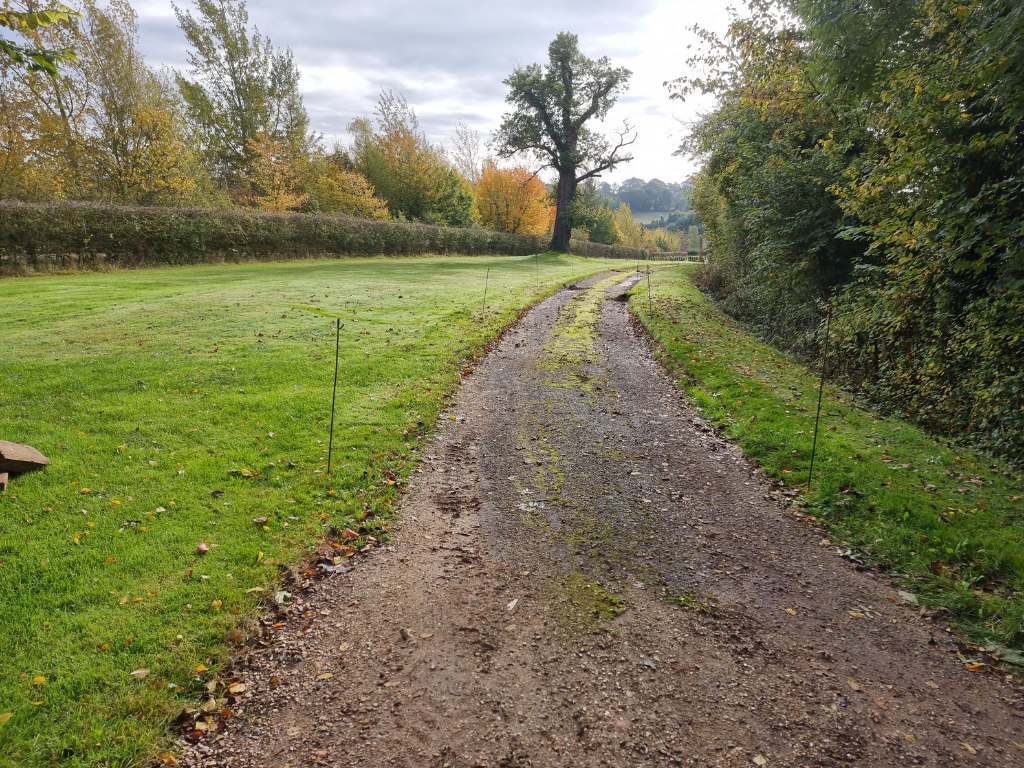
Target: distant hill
[
  {"x": 655, "y": 203},
  {"x": 648, "y": 196}
]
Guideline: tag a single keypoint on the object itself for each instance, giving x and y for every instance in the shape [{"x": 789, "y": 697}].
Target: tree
[
  {"x": 275, "y": 178},
  {"x": 869, "y": 153},
  {"x": 551, "y": 107},
  {"x": 628, "y": 230},
  {"x": 513, "y": 200},
  {"x": 243, "y": 88},
  {"x": 108, "y": 128},
  {"x": 591, "y": 213},
  {"x": 334, "y": 187},
  {"x": 35, "y": 58},
  {"x": 138, "y": 147},
  {"x": 465, "y": 155},
  {"x": 410, "y": 174}
]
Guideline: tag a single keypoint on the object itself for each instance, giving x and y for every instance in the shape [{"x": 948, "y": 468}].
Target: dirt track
[{"x": 586, "y": 575}]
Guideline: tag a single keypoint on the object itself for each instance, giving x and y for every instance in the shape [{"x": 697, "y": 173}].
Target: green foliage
[
  {"x": 870, "y": 154},
  {"x": 108, "y": 129},
  {"x": 405, "y": 170},
  {"x": 551, "y": 109},
  {"x": 35, "y": 58},
  {"x": 242, "y": 88},
  {"x": 81, "y": 236},
  {"x": 944, "y": 519},
  {"x": 591, "y": 213}
]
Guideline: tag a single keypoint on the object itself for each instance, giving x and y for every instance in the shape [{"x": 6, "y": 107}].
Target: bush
[{"x": 37, "y": 237}]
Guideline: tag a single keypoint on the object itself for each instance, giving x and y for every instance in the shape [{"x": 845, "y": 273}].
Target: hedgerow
[{"x": 36, "y": 237}]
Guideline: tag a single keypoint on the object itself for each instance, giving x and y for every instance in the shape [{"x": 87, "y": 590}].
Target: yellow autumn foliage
[{"x": 513, "y": 200}]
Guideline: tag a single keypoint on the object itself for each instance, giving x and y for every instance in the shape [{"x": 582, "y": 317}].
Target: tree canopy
[
  {"x": 242, "y": 88},
  {"x": 868, "y": 155},
  {"x": 552, "y": 108}
]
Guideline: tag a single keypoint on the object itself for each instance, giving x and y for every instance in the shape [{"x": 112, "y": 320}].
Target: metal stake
[
  {"x": 650, "y": 302},
  {"x": 487, "y": 278},
  {"x": 821, "y": 390},
  {"x": 334, "y": 393}
]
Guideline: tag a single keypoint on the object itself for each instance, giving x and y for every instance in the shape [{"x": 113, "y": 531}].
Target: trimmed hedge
[{"x": 88, "y": 236}]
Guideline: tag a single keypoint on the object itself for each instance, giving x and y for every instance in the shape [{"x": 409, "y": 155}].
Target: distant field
[
  {"x": 184, "y": 406},
  {"x": 648, "y": 216}
]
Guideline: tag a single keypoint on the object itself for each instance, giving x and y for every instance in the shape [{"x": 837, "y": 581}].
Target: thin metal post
[
  {"x": 650, "y": 301},
  {"x": 536, "y": 263},
  {"x": 821, "y": 390},
  {"x": 334, "y": 393},
  {"x": 487, "y": 279}
]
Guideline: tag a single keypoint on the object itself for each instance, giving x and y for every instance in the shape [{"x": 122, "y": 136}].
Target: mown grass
[
  {"x": 947, "y": 521},
  {"x": 179, "y": 406}
]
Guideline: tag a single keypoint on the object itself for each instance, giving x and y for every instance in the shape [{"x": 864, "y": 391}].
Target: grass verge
[
  {"x": 189, "y": 406},
  {"x": 946, "y": 521}
]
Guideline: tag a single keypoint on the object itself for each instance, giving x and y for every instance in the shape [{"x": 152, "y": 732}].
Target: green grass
[
  {"x": 947, "y": 521},
  {"x": 179, "y": 406}
]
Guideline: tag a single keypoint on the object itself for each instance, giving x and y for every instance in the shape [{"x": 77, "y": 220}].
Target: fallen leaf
[
  {"x": 236, "y": 688},
  {"x": 169, "y": 759},
  {"x": 259, "y": 556},
  {"x": 260, "y": 520},
  {"x": 200, "y": 667},
  {"x": 760, "y": 760},
  {"x": 791, "y": 611},
  {"x": 969, "y": 748},
  {"x": 216, "y": 605},
  {"x": 426, "y": 635},
  {"x": 973, "y": 666},
  {"x": 345, "y": 647},
  {"x": 38, "y": 680},
  {"x": 140, "y": 673},
  {"x": 325, "y": 676},
  {"x": 511, "y": 606},
  {"x": 202, "y": 549},
  {"x": 854, "y": 684},
  {"x": 5, "y": 716},
  {"x": 856, "y": 614},
  {"x": 930, "y": 684}
]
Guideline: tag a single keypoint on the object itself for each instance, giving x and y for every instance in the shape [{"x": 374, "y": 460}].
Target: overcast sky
[{"x": 449, "y": 57}]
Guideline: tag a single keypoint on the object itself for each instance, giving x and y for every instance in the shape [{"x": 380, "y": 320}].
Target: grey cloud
[{"x": 408, "y": 46}]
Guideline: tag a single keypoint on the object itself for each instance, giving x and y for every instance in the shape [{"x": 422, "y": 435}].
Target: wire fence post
[
  {"x": 334, "y": 393},
  {"x": 650, "y": 301},
  {"x": 487, "y": 279},
  {"x": 821, "y": 390}
]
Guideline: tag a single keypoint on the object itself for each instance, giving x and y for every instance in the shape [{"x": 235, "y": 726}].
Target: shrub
[{"x": 86, "y": 236}]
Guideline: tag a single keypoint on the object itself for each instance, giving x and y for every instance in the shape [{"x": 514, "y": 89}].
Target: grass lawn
[
  {"x": 947, "y": 521},
  {"x": 189, "y": 406}
]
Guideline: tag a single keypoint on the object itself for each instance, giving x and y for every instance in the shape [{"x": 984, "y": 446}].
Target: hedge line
[{"x": 89, "y": 236}]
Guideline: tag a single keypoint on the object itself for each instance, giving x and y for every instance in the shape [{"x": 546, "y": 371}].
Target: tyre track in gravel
[{"x": 586, "y": 575}]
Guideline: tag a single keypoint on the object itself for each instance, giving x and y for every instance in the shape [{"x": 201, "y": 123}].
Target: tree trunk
[{"x": 563, "y": 202}]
